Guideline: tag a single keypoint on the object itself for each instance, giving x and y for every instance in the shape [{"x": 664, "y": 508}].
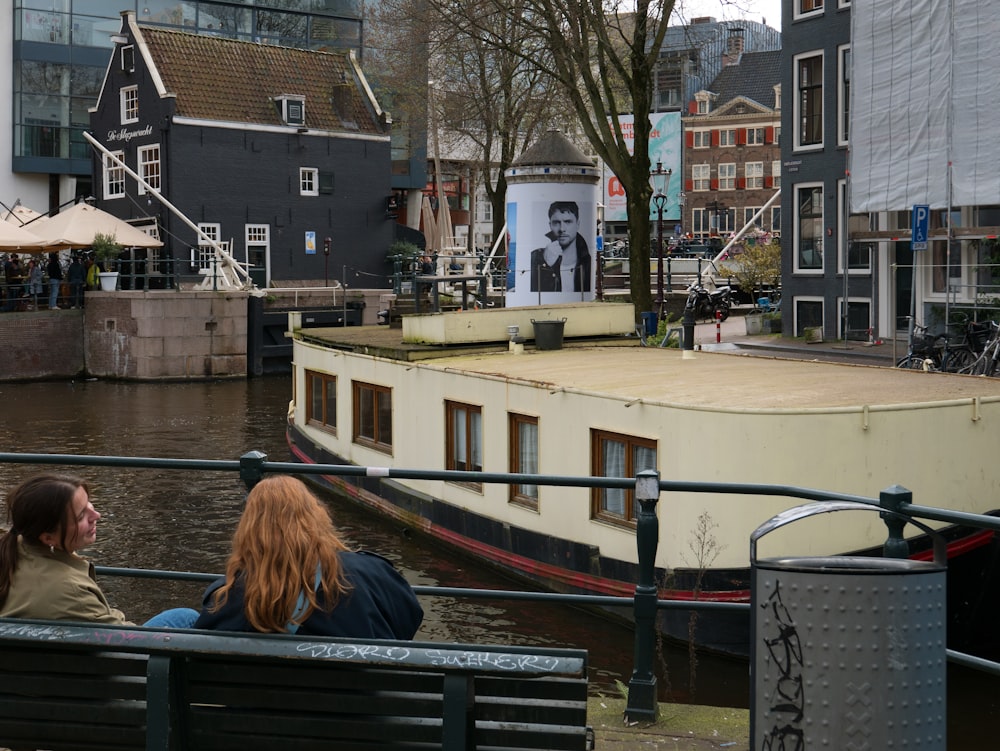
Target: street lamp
[{"x": 660, "y": 181}]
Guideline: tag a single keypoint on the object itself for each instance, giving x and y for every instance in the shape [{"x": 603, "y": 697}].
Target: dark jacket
[
  {"x": 545, "y": 278},
  {"x": 380, "y": 605},
  {"x": 54, "y": 269}
]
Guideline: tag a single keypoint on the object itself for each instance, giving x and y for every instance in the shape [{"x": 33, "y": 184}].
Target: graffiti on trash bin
[{"x": 788, "y": 696}]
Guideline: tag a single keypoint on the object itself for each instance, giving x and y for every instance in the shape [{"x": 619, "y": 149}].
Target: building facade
[
  {"x": 732, "y": 152},
  {"x": 282, "y": 154},
  {"x": 860, "y": 152},
  {"x": 60, "y": 48}
]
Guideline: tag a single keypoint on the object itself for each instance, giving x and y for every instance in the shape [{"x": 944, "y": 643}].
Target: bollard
[
  {"x": 250, "y": 468},
  {"x": 641, "y": 703},
  {"x": 847, "y": 652},
  {"x": 688, "y": 322},
  {"x": 718, "y": 327}
]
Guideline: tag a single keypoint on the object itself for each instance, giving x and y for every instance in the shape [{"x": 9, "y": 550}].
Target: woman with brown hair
[
  {"x": 41, "y": 575},
  {"x": 290, "y": 572}
]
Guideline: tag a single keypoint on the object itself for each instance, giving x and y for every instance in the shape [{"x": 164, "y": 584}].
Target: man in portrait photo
[{"x": 563, "y": 265}]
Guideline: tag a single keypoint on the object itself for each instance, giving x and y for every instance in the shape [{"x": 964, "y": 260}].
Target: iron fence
[{"x": 647, "y": 486}]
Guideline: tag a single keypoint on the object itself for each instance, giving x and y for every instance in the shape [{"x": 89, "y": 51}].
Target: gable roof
[
  {"x": 753, "y": 78},
  {"x": 227, "y": 80}
]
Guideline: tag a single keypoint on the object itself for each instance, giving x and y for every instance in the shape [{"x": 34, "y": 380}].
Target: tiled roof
[
  {"x": 235, "y": 81},
  {"x": 754, "y": 78}
]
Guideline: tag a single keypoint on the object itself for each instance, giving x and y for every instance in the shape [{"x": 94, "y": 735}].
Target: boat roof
[{"x": 703, "y": 379}]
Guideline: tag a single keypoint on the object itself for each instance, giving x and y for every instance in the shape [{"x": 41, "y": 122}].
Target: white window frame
[
  {"x": 203, "y": 256},
  {"x": 775, "y": 226},
  {"x": 797, "y": 229},
  {"x": 727, "y": 137},
  {"x": 702, "y": 139},
  {"x": 308, "y": 181},
  {"x": 776, "y": 174},
  {"x": 797, "y": 145},
  {"x": 840, "y": 312},
  {"x": 129, "y": 100},
  {"x": 806, "y": 298},
  {"x": 756, "y": 136},
  {"x": 150, "y": 168},
  {"x": 748, "y": 214},
  {"x": 727, "y": 176},
  {"x": 258, "y": 236},
  {"x": 754, "y": 174},
  {"x": 701, "y": 177},
  {"x": 843, "y": 93},
  {"x": 114, "y": 176},
  {"x": 800, "y": 10},
  {"x": 844, "y": 223}
]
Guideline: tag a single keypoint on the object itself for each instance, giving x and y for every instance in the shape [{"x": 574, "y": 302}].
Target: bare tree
[
  {"x": 489, "y": 101},
  {"x": 602, "y": 54}
]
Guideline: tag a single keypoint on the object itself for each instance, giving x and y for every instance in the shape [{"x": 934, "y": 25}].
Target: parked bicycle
[
  {"x": 935, "y": 353},
  {"x": 987, "y": 363}
]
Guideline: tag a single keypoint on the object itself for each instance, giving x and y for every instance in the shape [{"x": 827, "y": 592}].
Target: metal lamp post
[{"x": 660, "y": 180}]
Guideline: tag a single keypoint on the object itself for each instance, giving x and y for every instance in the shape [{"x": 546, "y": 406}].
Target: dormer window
[
  {"x": 777, "y": 96},
  {"x": 292, "y": 109},
  {"x": 703, "y": 100},
  {"x": 128, "y": 58}
]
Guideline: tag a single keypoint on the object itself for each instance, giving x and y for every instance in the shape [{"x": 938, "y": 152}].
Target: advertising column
[{"x": 552, "y": 193}]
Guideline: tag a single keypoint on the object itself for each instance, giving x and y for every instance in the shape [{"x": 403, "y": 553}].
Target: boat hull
[{"x": 562, "y": 565}]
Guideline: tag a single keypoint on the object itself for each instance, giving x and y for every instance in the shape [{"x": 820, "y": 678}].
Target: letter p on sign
[{"x": 921, "y": 224}]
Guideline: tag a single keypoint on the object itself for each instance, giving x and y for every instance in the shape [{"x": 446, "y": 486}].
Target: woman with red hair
[{"x": 290, "y": 572}]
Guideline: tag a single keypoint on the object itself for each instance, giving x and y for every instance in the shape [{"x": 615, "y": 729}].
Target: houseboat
[{"x": 471, "y": 390}]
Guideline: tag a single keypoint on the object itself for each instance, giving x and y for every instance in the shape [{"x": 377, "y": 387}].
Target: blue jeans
[
  {"x": 54, "y": 292},
  {"x": 173, "y": 618}
]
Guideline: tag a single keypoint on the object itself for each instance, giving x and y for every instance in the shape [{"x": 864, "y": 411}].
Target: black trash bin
[{"x": 548, "y": 334}]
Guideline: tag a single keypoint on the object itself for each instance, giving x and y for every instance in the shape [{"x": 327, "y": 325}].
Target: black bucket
[{"x": 548, "y": 334}]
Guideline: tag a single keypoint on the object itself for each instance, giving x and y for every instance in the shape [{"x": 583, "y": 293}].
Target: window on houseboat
[
  {"x": 465, "y": 437},
  {"x": 523, "y": 457},
  {"x": 373, "y": 416},
  {"x": 616, "y": 455},
  {"x": 321, "y": 396}
]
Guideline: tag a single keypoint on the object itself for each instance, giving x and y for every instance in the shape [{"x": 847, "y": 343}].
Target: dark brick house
[{"x": 270, "y": 148}]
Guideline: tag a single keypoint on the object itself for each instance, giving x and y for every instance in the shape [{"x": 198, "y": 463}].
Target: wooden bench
[{"x": 100, "y": 688}]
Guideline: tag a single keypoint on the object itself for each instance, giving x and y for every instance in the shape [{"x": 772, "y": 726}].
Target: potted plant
[{"x": 106, "y": 249}]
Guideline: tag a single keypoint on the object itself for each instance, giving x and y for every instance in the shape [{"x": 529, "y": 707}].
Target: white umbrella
[
  {"x": 76, "y": 227},
  {"x": 21, "y": 215},
  {"x": 13, "y": 237}
]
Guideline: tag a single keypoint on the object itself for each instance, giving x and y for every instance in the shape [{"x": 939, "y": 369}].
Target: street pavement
[{"x": 731, "y": 337}]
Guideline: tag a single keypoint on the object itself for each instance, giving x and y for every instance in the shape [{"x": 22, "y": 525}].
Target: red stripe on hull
[{"x": 561, "y": 579}]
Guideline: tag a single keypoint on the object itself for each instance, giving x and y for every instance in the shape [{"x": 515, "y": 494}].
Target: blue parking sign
[{"x": 920, "y": 226}]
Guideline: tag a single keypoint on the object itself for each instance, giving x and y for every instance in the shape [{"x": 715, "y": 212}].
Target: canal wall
[
  {"x": 148, "y": 335},
  {"x": 42, "y": 345},
  {"x": 166, "y": 335}
]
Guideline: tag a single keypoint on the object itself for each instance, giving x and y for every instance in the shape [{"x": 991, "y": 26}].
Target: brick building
[{"x": 732, "y": 156}]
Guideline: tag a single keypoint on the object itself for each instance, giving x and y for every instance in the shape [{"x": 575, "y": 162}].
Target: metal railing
[{"x": 253, "y": 466}]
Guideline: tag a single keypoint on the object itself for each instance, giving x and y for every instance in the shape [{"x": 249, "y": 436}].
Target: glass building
[{"x": 61, "y": 50}]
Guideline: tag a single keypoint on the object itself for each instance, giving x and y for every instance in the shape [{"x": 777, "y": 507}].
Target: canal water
[{"x": 173, "y": 519}]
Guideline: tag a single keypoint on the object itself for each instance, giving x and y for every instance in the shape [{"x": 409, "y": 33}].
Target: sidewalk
[
  {"x": 679, "y": 726},
  {"x": 731, "y": 337}
]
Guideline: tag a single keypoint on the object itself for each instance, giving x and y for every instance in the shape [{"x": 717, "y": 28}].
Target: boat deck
[{"x": 703, "y": 379}]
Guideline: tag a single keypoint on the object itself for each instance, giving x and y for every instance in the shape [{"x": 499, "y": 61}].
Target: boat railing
[{"x": 253, "y": 466}]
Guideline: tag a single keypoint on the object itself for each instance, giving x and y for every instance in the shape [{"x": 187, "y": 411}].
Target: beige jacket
[{"x": 56, "y": 586}]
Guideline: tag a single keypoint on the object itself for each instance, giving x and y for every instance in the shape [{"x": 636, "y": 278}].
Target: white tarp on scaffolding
[{"x": 925, "y": 90}]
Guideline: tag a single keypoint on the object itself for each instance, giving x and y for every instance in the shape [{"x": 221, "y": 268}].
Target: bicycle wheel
[
  {"x": 917, "y": 362},
  {"x": 957, "y": 360}
]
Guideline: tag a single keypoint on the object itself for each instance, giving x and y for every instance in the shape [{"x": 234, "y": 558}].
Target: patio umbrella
[
  {"x": 13, "y": 237},
  {"x": 20, "y": 215},
  {"x": 76, "y": 227}
]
